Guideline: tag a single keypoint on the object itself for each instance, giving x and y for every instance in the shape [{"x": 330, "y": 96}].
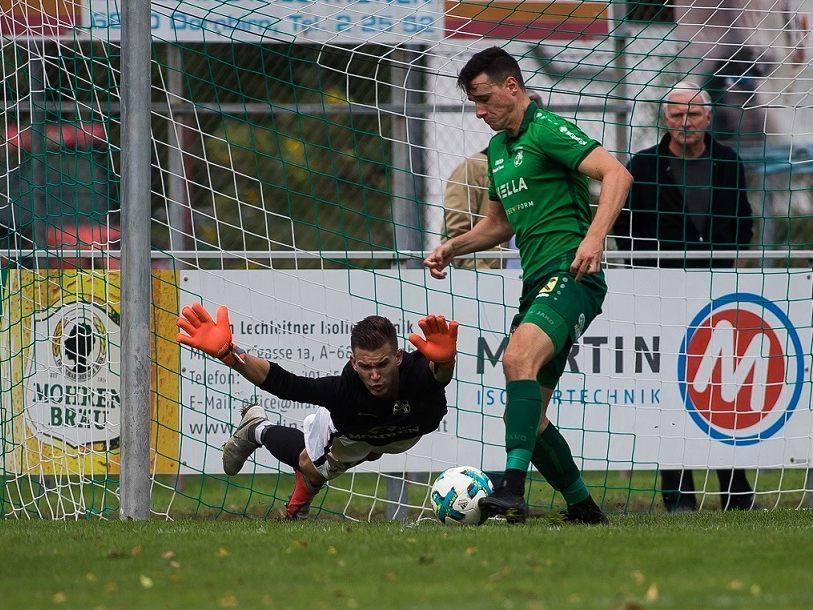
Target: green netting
[{"x": 294, "y": 150}]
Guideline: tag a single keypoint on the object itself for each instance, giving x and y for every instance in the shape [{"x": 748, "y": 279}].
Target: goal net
[{"x": 301, "y": 158}]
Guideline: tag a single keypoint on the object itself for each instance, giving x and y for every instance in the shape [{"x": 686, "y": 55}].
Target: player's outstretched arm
[
  {"x": 439, "y": 346},
  {"x": 214, "y": 339},
  {"x": 490, "y": 232}
]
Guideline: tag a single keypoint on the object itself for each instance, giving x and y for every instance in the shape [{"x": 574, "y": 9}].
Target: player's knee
[
  {"x": 518, "y": 365},
  {"x": 528, "y": 351}
]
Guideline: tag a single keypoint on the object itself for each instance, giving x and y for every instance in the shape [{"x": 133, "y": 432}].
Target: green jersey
[{"x": 535, "y": 177}]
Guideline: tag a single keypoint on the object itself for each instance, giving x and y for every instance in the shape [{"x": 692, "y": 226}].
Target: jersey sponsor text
[{"x": 512, "y": 187}]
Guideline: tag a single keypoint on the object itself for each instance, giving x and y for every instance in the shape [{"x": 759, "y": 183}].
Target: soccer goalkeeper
[
  {"x": 383, "y": 402},
  {"x": 538, "y": 169}
]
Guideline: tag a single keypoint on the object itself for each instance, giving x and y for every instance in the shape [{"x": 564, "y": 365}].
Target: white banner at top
[{"x": 388, "y": 22}]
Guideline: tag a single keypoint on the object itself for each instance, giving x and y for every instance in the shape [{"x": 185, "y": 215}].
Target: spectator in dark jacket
[
  {"x": 689, "y": 191},
  {"x": 689, "y": 194}
]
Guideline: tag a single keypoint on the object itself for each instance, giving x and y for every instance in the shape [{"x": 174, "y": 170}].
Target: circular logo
[
  {"x": 79, "y": 343},
  {"x": 740, "y": 369},
  {"x": 72, "y": 386}
]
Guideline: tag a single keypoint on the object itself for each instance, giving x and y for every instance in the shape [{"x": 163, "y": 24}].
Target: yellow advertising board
[{"x": 60, "y": 363}]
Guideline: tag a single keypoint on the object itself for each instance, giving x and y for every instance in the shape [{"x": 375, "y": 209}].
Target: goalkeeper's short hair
[{"x": 372, "y": 333}]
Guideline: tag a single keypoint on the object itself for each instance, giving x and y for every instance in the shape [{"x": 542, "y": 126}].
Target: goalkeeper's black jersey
[{"x": 360, "y": 416}]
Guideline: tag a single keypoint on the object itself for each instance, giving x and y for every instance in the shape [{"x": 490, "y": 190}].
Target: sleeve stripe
[{"x": 586, "y": 152}]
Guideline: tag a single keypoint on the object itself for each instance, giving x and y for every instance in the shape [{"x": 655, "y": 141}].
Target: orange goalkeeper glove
[
  {"x": 440, "y": 345},
  {"x": 210, "y": 337}
]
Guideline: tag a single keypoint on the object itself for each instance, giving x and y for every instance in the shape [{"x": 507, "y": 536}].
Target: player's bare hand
[
  {"x": 203, "y": 333},
  {"x": 588, "y": 257},
  {"x": 440, "y": 345},
  {"x": 439, "y": 259}
]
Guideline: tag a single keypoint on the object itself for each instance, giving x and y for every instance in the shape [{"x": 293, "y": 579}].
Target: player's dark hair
[
  {"x": 372, "y": 333},
  {"x": 495, "y": 63}
]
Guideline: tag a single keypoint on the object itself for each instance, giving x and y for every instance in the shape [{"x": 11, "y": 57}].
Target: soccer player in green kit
[{"x": 539, "y": 165}]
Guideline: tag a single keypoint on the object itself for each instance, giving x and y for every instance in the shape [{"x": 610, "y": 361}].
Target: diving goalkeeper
[{"x": 384, "y": 401}]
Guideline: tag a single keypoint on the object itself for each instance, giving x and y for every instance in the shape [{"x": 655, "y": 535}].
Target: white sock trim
[{"x": 258, "y": 431}]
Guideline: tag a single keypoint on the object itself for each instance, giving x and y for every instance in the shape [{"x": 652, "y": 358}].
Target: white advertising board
[
  {"x": 681, "y": 369},
  {"x": 385, "y": 22}
]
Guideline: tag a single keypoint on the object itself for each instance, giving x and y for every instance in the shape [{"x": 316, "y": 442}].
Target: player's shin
[
  {"x": 553, "y": 459},
  {"x": 522, "y": 414}
]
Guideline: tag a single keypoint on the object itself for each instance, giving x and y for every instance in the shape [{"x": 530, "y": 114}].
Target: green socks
[
  {"x": 549, "y": 451},
  {"x": 522, "y": 415},
  {"x": 552, "y": 458}
]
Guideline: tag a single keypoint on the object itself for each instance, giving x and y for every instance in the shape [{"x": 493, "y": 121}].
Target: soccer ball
[{"x": 455, "y": 495}]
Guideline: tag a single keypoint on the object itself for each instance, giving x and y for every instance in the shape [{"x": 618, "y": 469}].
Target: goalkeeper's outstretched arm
[
  {"x": 254, "y": 369},
  {"x": 439, "y": 346},
  {"x": 214, "y": 338}
]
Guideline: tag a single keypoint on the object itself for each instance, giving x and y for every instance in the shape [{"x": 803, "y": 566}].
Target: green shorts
[{"x": 563, "y": 308}]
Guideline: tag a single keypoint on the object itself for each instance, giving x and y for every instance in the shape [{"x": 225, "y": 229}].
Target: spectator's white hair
[{"x": 687, "y": 85}]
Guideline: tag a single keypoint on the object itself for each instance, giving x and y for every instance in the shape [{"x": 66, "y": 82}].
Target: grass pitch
[{"x": 701, "y": 560}]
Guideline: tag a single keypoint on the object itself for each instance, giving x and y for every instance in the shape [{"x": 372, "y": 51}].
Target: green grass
[
  {"x": 360, "y": 496},
  {"x": 703, "y": 560}
]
